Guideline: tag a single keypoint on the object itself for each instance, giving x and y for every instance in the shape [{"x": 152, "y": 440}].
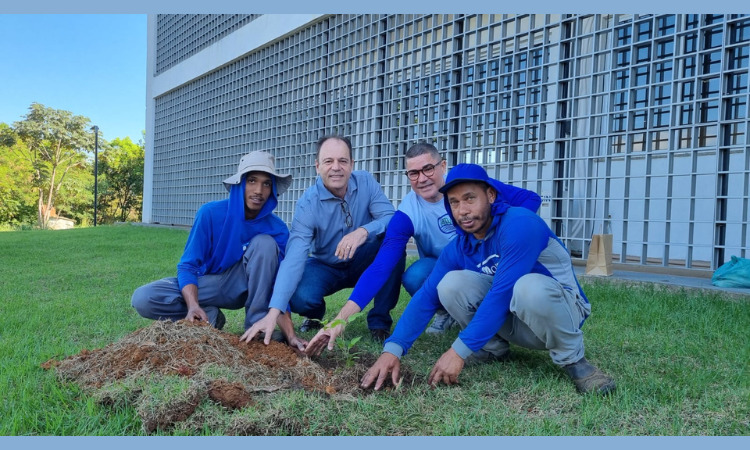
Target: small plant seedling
[{"x": 346, "y": 345}]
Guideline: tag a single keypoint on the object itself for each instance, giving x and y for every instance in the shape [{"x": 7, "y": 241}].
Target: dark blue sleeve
[
  {"x": 522, "y": 240},
  {"x": 397, "y": 235}
]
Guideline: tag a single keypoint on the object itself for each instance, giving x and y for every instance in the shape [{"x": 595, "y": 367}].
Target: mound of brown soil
[{"x": 197, "y": 352}]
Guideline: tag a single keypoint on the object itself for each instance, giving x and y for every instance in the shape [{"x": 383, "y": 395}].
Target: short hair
[
  {"x": 322, "y": 140},
  {"x": 422, "y": 148}
]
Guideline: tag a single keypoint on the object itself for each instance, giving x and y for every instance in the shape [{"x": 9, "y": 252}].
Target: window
[
  {"x": 621, "y": 79},
  {"x": 708, "y": 111},
  {"x": 734, "y": 134},
  {"x": 660, "y": 117},
  {"x": 711, "y": 62},
  {"x": 690, "y": 43},
  {"x": 665, "y": 25},
  {"x": 644, "y": 31},
  {"x": 665, "y": 49},
  {"x": 707, "y": 136},
  {"x": 639, "y": 141},
  {"x": 740, "y": 32},
  {"x": 686, "y": 115},
  {"x": 622, "y": 58},
  {"x": 639, "y": 120},
  {"x": 660, "y": 140},
  {"x": 710, "y": 87},
  {"x": 640, "y": 98},
  {"x": 692, "y": 21},
  {"x": 738, "y": 57},
  {"x": 663, "y": 71},
  {"x": 737, "y": 83},
  {"x": 624, "y": 35},
  {"x": 688, "y": 67},
  {"x": 640, "y": 77},
  {"x": 643, "y": 53},
  {"x": 684, "y": 138},
  {"x": 736, "y": 108},
  {"x": 618, "y": 144},
  {"x": 662, "y": 94},
  {"x": 712, "y": 38},
  {"x": 620, "y": 101},
  {"x": 618, "y": 122}
]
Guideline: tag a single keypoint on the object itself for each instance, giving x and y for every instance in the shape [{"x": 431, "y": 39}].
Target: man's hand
[
  {"x": 446, "y": 369},
  {"x": 196, "y": 313},
  {"x": 349, "y": 243},
  {"x": 287, "y": 327},
  {"x": 325, "y": 336},
  {"x": 387, "y": 363},
  {"x": 266, "y": 325},
  {"x": 328, "y": 335}
]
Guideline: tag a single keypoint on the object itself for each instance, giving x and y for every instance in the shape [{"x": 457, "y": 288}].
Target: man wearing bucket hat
[
  {"x": 506, "y": 278},
  {"x": 231, "y": 255},
  {"x": 338, "y": 226}
]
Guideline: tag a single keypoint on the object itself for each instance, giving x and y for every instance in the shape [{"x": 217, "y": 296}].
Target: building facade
[{"x": 634, "y": 125}]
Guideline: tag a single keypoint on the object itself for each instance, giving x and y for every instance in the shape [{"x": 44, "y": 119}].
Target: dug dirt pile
[{"x": 169, "y": 369}]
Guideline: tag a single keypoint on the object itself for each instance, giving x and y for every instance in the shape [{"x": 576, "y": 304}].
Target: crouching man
[
  {"x": 231, "y": 256},
  {"x": 506, "y": 278}
]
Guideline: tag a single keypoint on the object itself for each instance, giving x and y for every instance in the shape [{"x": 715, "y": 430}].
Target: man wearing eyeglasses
[
  {"x": 339, "y": 222},
  {"x": 421, "y": 215}
]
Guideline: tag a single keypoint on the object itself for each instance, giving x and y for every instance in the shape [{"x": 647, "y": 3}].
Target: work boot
[
  {"x": 483, "y": 356},
  {"x": 441, "y": 323},
  {"x": 310, "y": 325},
  {"x": 588, "y": 378},
  {"x": 220, "y": 321},
  {"x": 379, "y": 335}
]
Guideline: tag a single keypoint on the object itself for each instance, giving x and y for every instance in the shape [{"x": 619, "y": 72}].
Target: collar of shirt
[{"x": 325, "y": 194}]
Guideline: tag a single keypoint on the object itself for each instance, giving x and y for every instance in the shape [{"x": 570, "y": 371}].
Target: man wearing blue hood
[
  {"x": 506, "y": 278},
  {"x": 231, "y": 256}
]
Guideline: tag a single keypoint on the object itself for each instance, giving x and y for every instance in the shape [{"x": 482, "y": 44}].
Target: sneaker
[
  {"x": 588, "y": 378},
  {"x": 310, "y": 325},
  {"x": 483, "y": 356},
  {"x": 379, "y": 335},
  {"x": 220, "y": 321},
  {"x": 441, "y": 323}
]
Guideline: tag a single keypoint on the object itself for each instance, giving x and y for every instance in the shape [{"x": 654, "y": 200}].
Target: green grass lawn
[{"x": 680, "y": 358}]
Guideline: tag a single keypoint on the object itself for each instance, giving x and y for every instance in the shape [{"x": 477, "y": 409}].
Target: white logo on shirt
[{"x": 487, "y": 268}]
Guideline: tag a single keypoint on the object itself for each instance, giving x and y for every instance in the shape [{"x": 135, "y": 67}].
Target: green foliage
[
  {"x": 17, "y": 207},
  {"x": 121, "y": 181},
  {"x": 55, "y": 141},
  {"x": 346, "y": 346}
]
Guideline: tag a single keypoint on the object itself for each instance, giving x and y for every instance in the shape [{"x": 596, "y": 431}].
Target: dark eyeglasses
[
  {"x": 348, "y": 216},
  {"x": 427, "y": 170}
]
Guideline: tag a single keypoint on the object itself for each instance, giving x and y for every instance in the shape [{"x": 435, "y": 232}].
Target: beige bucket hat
[{"x": 262, "y": 162}]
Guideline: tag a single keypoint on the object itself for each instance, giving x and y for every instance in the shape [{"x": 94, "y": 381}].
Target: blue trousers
[
  {"x": 320, "y": 280},
  {"x": 247, "y": 284}
]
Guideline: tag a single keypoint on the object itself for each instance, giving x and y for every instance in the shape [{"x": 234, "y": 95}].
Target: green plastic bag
[{"x": 733, "y": 274}]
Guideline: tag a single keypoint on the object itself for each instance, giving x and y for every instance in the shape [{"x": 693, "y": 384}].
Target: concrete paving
[{"x": 701, "y": 282}]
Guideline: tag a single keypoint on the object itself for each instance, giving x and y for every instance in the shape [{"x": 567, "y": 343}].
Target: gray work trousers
[
  {"x": 543, "y": 314},
  {"x": 248, "y": 283}
]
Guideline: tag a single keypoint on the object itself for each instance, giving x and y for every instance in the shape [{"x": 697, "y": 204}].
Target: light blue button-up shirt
[{"x": 319, "y": 224}]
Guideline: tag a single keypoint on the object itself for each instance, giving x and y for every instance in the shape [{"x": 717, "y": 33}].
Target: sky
[{"x": 93, "y": 65}]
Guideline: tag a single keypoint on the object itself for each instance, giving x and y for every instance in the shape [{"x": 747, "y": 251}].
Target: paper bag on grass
[{"x": 600, "y": 255}]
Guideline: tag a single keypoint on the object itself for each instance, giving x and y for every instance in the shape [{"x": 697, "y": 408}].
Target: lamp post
[{"x": 96, "y": 167}]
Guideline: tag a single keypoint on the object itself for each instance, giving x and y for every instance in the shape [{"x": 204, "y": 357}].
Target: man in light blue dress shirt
[{"x": 337, "y": 229}]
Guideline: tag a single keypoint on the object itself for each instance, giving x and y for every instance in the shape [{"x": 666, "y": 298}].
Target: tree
[
  {"x": 16, "y": 200},
  {"x": 121, "y": 164},
  {"x": 55, "y": 141}
]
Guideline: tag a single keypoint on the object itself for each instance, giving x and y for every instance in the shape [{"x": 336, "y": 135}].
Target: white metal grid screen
[{"x": 634, "y": 125}]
